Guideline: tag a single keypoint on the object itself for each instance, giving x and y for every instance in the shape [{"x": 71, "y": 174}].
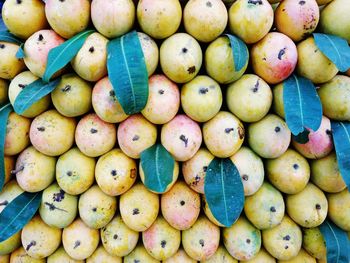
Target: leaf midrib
[
  {"x": 336, "y": 239},
  {"x": 300, "y": 101},
  {"x": 223, "y": 189}
]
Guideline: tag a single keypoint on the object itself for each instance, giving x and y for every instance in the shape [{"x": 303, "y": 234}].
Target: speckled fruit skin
[
  {"x": 221, "y": 255},
  {"x": 313, "y": 242},
  {"x": 36, "y": 49},
  {"x": 60, "y": 256},
  {"x": 339, "y": 209},
  {"x": 75, "y": 172},
  {"x": 10, "y": 66},
  {"x": 180, "y": 57},
  {"x": 163, "y": 100},
  {"x": 9, "y": 165},
  {"x": 211, "y": 15},
  {"x": 31, "y": 20},
  {"x": 17, "y": 134},
  {"x": 113, "y": 18},
  {"x": 150, "y": 52},
  {"x": 180, "y": 257},
  {"x": 334, "y": 97},
  {"x": 80, "y": 241},
  {"x": 182, "y": 137},
  {"x": 102, "y": 256},
  {"x": 105, "y": 102},
  {"x": 57, "y": 208},
  {"x": 34, "y": 170},
  {"x": 60, "y": 18},
  {"x": 10, "y": 244},
  {"x": 117, "y": 238},
  {"x": 4, "y": 88},
  {"x": 90, "y": 61},
  {"x": 218, "y": 61},
  {"x": 39, "y": 239},
  {"x": 313, "y": 64},
  {"x": 262, "y": 257},
  {"x": 20, "y": 256},
  {"x": 135, "y": 135},
  {"x": 139, "y": 207},
  {"x": 158, "y": 18},
  {"x": 283, "y": 242},
  {"x": 94, "y": 137},
  {"x": 17, "y": 84},
  {"x": 250, "y": 20},
  {"x": 302, "y": 256},
  {"x": 274, "y": 57},
  {"x": 140, "y": 254},
  {"x": 201, "y": 98},
  {"x": 72, "y": 96},
  {"x": 265, "y": 209},
  {"x": 10, "y": 191},
  {"x": 51, "y": 133},
  {"x": 180, "y": 206}
]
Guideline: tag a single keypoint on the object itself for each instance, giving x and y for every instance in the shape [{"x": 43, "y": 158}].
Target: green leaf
[
  {"x": 20, "y": 52},
  {"x": 127, "y": 72},
  {"x": 32, "y": 93},
  {"x": 8, "y": 37},
  {"x": 341, "y": 138},
  {"x": 60, "y": 56},
  {"x": 17, "y": 213},
  {"x": 337, "y": 242},
  {"x": 158, "y": 167},
  {"x": 302, "y": 106},
  {"x": 335, "y": 49},
  {"x": 4, "y": 114},
  {"x": 239, "y": 51},
  {"x": 224, "y": 191}
]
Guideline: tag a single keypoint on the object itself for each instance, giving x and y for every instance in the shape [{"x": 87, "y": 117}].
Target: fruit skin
[
  {"x": 313, "y": 64},
  {"x": 201, "y": 98},
  {"x": 323, "y": 2},
  {"x": 302, "y": 256},
  {"x": 61, "y": 256},
  {"x": 75, "y": 172},
  {"x": 274, "y": 57},
  {"x": 115, "y": 172},
  {"x": 135, "y": 135},
  {"x": 9, "y": 245},
  {"x": 51, "y": 133},
  {"x": 31, "y": 20},
  {"x": 117, "y": 238},
  {"x": 250, "y": 21},
  {"x": 39, "y": 239},
  {"x": 180, "y": 56},
  {"x": 250, "y": 168},
  {"x": 9, "y": 165},
  {"x": 333, "y": 95},
  {"x": 34, "y": 170},
  {"x": 139, "y": 207},
  {"x": 10, "y": 191},
  {"x": 201, "y": 240},
  {"x": 309, "y": 207},
  {"x": 218, "y": 61},
  {"x": 265, "y": 209},
  {"x": 10, "y": 66},
  {"x": 36, "y": 49},
  {"x": 150, "y": 52},
  {"x": 180, "y": 257},
  {"x": 80, "y": 241},
  {"x": 17, "y": 84},
  {"x": 140, "y": 254},
  {"x": 339, "y": 209},
  {"x": 200, "y": 14},
  {"x": 94, "y": 137},
  {"x": 4, "y": 88},
  {"x": 181, "y": 137},
  {"x": 21, "y": 256},
  {"x": 221, "y": 255},
  {"x": 72, "y": 96},
  {"x": 102, "y": 256},
  {"x": 113, "y": 18},
  {"x": 159, "y": 19},
  {"x": 262, "y": 257},
  {"x": 223, "y": 135},
  {"x": 249, "y": 98},
  {"x": 283, "y": 241},
  {"x": 180, "y": 206},
  {"x": 163, "y": 100},
  {"x": 60, "y": 18},
  {"x": 90, "y": 61},
  {"x": 314, "y": 243},
  {"x": 57, "y": 208}
]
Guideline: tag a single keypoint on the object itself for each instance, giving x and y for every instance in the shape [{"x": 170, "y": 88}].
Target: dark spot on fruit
[
  {"x": 66, "y": 88},
  {"x": 281, "y": 53},
  {"x": 94, "y": 209},
  {"x": 283, "y": 9},
  {"x": 19, "y": 1},
  {"x": 272, "y": 209},
  {"x": 277, "y": 129},
  {"x": 114, "y": 172},
  {"x": 61, "y": 1},
  {"x": 163, "y": 243},
  {"x": 245, "y": 177},
  {"x": 328, "y": 132},
  {"x": 209, "y": 4},
  {"x": 58, "y": 197},
  {"x": 111, "y": 93},
  {"x": 91, "y": 49},
  {"x": 41, "y": 129},
  {"x": 318, "y": 206},
  {"x": 161, "y": 92},
  {"x": 184, "y": 50},
  {"x": 315, "y": 50},
  {"x": 286, "y": 247},
  {"x": 135, "y": 211},
  {"x": 248, "y": 241},
  {"x": 205, "y": 168},
  {"x": 2, "y": 46},
  {"x": 302, "y": 2},
  {"x": 196, "y": 180},
  {"x": 93, "y": 130},
  {"x": 69, "y": 173},
  {"x": 132, "y": 173},
  {"x": 136, "y": 260},
  {"x": 184, "y": 139},
  {"x": 256, "y": 86},
  {"x": 76, "y": 244},
  {"x": 287, "y": 237},
  {"x": 228, "y": 130},
  {"x": 22, "y": 86},
  {"x": 135, "y": 138},
  {"x": 182, "y": 203},
  {"x": 241, "y": 133},
  {"x": 295, "y": 166},
  {"x": 255, "y": 2},
  {"x": 191, "y": 70},
  {"x": 264, "y": 59},
  {"x": 41, "y": 37},
  {"x": 203, "y": 90},
  {"x": 4, "y": 203},
  {"x": 201, "y": 242},
  {"x": 31, "y": 244},
  {"x": 115, "y": 236}
]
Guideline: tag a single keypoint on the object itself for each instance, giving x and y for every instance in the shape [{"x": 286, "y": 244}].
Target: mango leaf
[
  {"x": 335, "y": 49},
  {"x": 127, "y": 72},
  {"x": 337, "y": 242},
  {"x": 32, "y": 93},
  {"x": 20, "y": 52},
  {"x": 17, "y": 213},
  {"x": 341, "y": 138},
  {"x": 4, "y": 114},
  {"x": 239, "y": 51},
  {"x": 303, "y": 108},
  {"x": 158, "y": 167},
  {"x": 224, "y": 191},
  {"x": 60, "y": 56},
  {"x": 8, "y": 37}
]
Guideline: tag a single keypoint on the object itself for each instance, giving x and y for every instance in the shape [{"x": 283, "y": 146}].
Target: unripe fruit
[
  {"x": 339, "y": 209},
  {"x": 262, "y": 257},
  {"x": 9, "y": 245},
  {"x": 10, "y": 191},
  {"x": 313, "y": 242},
  {"x": 180, "y": 257},
  {"x": 10, "y": 66},
  {"x": 140, "y": 254},
  {"x": 4, "y": 88},
  {"x": 221, "y": 255},
  {"x": 60, "y": 255},
  {"x": 180, "y": 57},
  {"x": 150, "y": 52},
  {"x": 102, "y": 256},
  {"x": 21, "y": 256}
]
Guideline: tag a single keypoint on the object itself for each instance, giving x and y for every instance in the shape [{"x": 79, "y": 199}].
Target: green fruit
[
  {"x": 10, "y": 191},
  {"x": 339, "y": 209},
  {"x": 314, "y": 243},
  {"x": 9, "y": 245}
]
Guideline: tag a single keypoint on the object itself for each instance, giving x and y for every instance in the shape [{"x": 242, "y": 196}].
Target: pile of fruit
[{"x": 175, "y": 131}]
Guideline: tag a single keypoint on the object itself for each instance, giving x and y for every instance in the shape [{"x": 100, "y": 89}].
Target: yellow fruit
[
  {"x": 10, "y": 191},
  {"x": 150, "y": 52},
  {"x": 314, "y": 243},
  {"x": 339, "y": 209},
  {"x": 20, "y": 256},
  {"x": 180, "y": 257},
  {"x": 102, "y": 256},
  {"x": 262, "y": 257},
  {"x": 140, "y": 254},
  {"x": 9, "y": 165},
  {"x": 9, "y": 245},
  {"x": 302, "y": 256},
  {"x": 221, "y": 255},
  {"x": 61, "y": 256},
  {"x": 10, "y": 66},
  {"x": 4, "y": 87}
]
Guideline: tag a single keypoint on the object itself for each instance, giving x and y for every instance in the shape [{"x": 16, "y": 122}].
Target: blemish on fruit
[
  {"x": 66, "y": 88},
  {"x": 184, "y": 50},
  {"x": 91, "y": 49},
  {"x": 203, "y": 90},
  {"x": 182, "y": 202},
  {"x": 245, "y": 177},
  {"x": 94, "y": 209},
  {"x": 248, "y": 241},
  {"x": 2, "y": 46},
  {"x": 287, "y": 237},
  {"x": 277, "y": 129},
  {"x": 163, "y": 243},
  {"x": 115, "y": 236},
  {"x": 209, "y": 4},
  {"x": 92, "y": 130},
  {"x": 111, "y": 93},
  {"x": 135, "y": 138},
  {"x": 295, "y": 166},
  {"x": 58, "y": 197},
  {"x": 201, "y": 242},
  {"x": 135, "y": 211},
  {"x": 286, "y": 247},
  {"x": 228, "y": 130},
  {"x": 205, "y": 168},
  {"x": 184, "y": 139},
  {"x": 69, "y": 173},
  {"x": 256, "y": 86},
  {"x": 133, "y": 173},
  {"x": 114, "y": 172},
  {"x": 318, "y": 206},
  {"x": 76, "y": 244},
  {"x": 161, "y": 92},
  {"x": 255, "y": 2},
  {"x": 241, "y": 133},
  {"x": 281, "y": 53},
  {"x": 41, "y": 37},
  {"x": 22, "y": 86},
  {"x": 328, "y": 132},
  {"x": 272, "y": 209},
  {"x": 136, "y": 261},
  {"x": 302, "y": 2},
  {"x": 4, "y": 203},
  {"x": 191, "y": 70},
  {"x": 41, "y": 129},
  {"x": 31, "y": 244}
]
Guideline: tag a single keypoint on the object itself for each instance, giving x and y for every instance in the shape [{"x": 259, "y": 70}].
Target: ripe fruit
[
  {"x": 20, "y": 255},
  {"x": 262, "y": 257},
  {"x": 302, "y": 256},
  {"x": 102, "y": 256},
  {"x": 60, "y": 255},
  {"x": 221, "y": 255},
  {"x": 4, "y": 87},
  {"x": 180, "y": 257},
  {"x": 10, "y": 66},
  {"x": 10, "y": 191},
  {"x": 150, "y": 52},
  {"x": 339, "y": 212},
  {"x": 10, "y": 244},
  {"x": 138, "y": 254},
  {"x": 313, "y": 242}
]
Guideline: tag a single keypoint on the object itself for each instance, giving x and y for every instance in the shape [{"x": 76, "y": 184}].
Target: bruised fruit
[
  {"x": 262, "y": 257},
  {"x": 40, "y": 240},
  {"x": 4, "y": 88},
  {"x": 10, "y": 191},
  {"x": 102, "y": 256},
  {"x": 10, "y": 66},
  {"x": 313, "y": 242},
  {"x": 339, "y": 209},
  {"x": 60, "y": 255},
  {"x": 140, "y": 254},
  {"x": 150, "y": 52},
  {"x": 21, "y": 256},
  {"x": 9, "y": 245},
  {"x": 51, "y": 133},
  {"x": 221, "y": 255}
]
